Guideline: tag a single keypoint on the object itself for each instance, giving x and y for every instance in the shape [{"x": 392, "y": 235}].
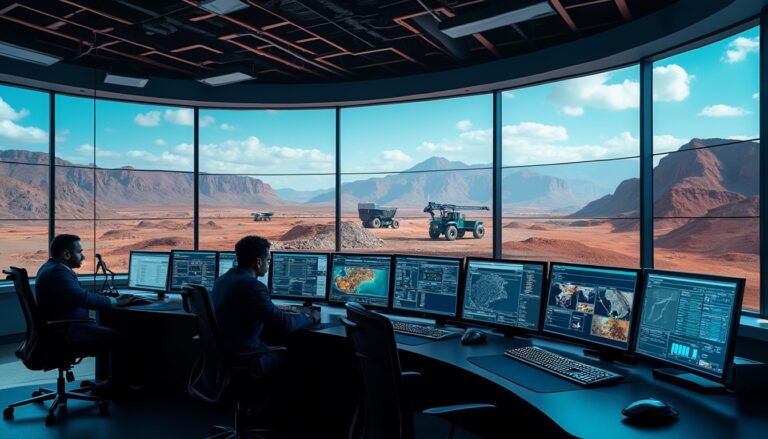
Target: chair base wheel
[
  {"x": 36, "y": 393},
  {"x": 8, "y": 413},
  {"x": 50, "y": 419}
]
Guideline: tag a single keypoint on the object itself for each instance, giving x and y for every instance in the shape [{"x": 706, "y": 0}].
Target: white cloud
[
  {"x": 87, "y": 149},
  {"x": 430, "y": 147},
  {"x": 12, "y": 131},
  {"x": 251, "y": 156},
  {"x": 164, "y": 158},
  {"x": 508, "y": 95},
  {"x": 149, "y": 119},
  {"x": 536, "y": 131},
  {"x": 227, "y": 127},
  {"x": 722, "y": 110},
  {"x": 184, "y": 148},
  {"x": 743, "y": 138},
  {"x": 160, "y": 142},
  {"x": 756, "y": 95},
  {"x": 667, "y": 143},
  {"x": 574, "y": 95},
  {"x": 395, "y": 155},
  {"x": 739, "y": 48},
  {"x": 8, "y": 113},
  {"x": 671, "y": 83},
  {"x": 464, "y": 125},
  {"x": 182, "y": 116},
  {"x": 206, "y": 120}
]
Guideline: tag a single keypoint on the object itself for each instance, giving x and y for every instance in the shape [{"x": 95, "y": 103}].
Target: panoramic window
[
  {"x": 24, "y": 178},
  {"x": 268, "y": 173},
  {"x": 706, "y": 174},
  {"x": 570, "y": 170},
  {"x": 417, "y": 177}
]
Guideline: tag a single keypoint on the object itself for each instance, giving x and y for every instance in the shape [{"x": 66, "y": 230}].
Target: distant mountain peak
[{"x": 436, "y": 163}]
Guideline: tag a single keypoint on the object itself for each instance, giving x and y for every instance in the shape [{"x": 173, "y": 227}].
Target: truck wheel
[
  {"x": 461, "y": 233},
  {"x": 376, "y": 223},
  {"x": 395, "y": 224},
  {"x": 479, "y": 231},
  {"x": 451, "y": 233},
  {"x": 434, "y": 235}
]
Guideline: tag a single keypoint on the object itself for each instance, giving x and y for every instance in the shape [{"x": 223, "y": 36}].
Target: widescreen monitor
[
  {"x": 364, "y": 279},
  {"x": 689, "y": 320},
  {"x": 148, "y": 270},
  {"x": 299, "y": 275},
  {"x": 426, "y": 285},
  {"x": 503, "y": 293},
  {"x": 194, "y": 267},
  {"x": 228, "y": 260},
  {"x": 591, "y": 304}
]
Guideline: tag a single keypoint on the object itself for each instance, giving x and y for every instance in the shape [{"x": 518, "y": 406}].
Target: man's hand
[
  {"x": 312, "y": 313},
  {"x": 124, "y": 299}
]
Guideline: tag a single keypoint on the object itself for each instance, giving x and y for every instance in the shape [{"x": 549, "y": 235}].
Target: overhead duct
[{"x": 494, "y": 16}]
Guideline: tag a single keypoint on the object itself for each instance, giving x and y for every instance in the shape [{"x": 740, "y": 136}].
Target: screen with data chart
[
  {"x": 148, "y": 270},
  {"x": 299, "y": 275},
  {"x": 502, "y": 292},
  {"x": 689, "y": 320},
  {"x": 194, "y": 267},
  {"x": 426, "y": 285}
]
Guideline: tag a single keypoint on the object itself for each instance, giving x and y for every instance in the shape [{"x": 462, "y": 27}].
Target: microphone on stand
[{"x": 107, "y": 288}]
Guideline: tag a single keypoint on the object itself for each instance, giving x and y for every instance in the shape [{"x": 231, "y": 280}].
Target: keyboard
[
  {"x": 563, "y": 367},
  {"x": 420, "y": 330},
  {"x": 139, "y": 300}
]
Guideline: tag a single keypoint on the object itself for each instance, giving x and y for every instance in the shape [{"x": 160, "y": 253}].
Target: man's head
[
  {"x": 253, "y": 254},
  {"x": 68, "y": 249}
]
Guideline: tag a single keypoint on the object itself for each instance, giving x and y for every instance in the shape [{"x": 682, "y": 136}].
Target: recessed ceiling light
[
  {"x": 217, "y": 79},
  {"x": 128, "y": 81},
  {"x": 222, "y": 7},
  {"x": 493, "y": 17},
  {"x": 28, "y": 55}
]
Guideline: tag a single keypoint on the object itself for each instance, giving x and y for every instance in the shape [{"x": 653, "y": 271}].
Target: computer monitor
[
  {"x": 148, "y": 270},
  {"x": 426, "y": 285},
  {"x": 360, "y": 278},
  {"x": 228, "y": 260},
  {"x": 689, "y": 321},
  {"x": 591, "y": 304},
  {"x": 299, "y": 275},
  {"x": 503, "y": 294},
  {"x": 193, "y": 266}
]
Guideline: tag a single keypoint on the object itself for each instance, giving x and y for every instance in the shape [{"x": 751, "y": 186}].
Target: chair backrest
[
  {"x": 211, "y": 374},
  {"x": 385, "y": 414},
  {"x": 31, "y": 315}
]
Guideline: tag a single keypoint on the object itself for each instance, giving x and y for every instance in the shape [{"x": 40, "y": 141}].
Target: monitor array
[{"x": 684, "y": 319}]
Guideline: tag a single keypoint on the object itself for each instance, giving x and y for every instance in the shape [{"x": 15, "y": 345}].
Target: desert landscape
[{"x": 705, "y": 199}]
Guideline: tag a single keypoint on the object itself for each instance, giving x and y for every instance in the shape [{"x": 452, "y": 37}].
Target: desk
[{"x": 583, "y": 412}]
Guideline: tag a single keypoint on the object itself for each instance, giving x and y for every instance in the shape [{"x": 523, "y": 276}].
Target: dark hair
[
  {"x": 63, "y": 242},
  {"x": 250, "y": 248}
]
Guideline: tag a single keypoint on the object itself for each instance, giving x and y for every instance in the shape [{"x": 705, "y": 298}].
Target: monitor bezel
[
  {"x": 499, "y": 326},
  {"x": 170, "y": 267},
  {"x": 589, "y": 343},
  {"x": 389, "y": 282},
  {"x": 218, "y": 260},
  {"x": 731, "y": 342},
  {"x": 167, "y": 274},
  {"x": 313, "y": 299},
  {"x": 425, "y": 314}
]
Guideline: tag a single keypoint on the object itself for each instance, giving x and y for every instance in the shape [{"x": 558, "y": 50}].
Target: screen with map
[
  {"x": 506, "y": 293},
  {"x": 689, "y": 320},
  {"x": 360, "y": 278},
  {"x": 591, "y": 304},
  {"x": 299, "y": 275},
  {"x": 426, "y": 285}
]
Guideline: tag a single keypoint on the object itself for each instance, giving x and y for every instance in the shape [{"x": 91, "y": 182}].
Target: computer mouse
[
  {"x": 473, "y": 336},
  {"x": 651, "y": 410}
]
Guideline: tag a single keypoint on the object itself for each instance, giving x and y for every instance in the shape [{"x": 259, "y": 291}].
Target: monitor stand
[
  {"x": 512, "y": 333},
  {"x": 688, "y": 380},
  {"x": 160, "y": 295},
  {"x": 611, "y": 356}
]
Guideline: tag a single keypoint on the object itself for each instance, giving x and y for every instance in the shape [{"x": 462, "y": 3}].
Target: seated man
[
  {"x": 244, "y": 309},
  {"x": 60, "y": 296}
]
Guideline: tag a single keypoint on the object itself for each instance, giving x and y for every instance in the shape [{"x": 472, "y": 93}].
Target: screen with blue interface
[
  {"x": 504, "y": 293},
  {"x": 426, "y": 285},
  {"x": 148, "y": 270},
  {"x": 592, "y": 304},
  {"x": 194, "y": 267},
  {"x": 228, "y": 260},
  {"x": 299, "y": 275},
  {"x": 687, "y": 320},
  {"x": 360, "y": 278}
]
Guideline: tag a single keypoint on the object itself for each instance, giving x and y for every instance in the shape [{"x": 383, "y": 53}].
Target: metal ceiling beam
[
  {"x": 624, "y": 9},
  {"x": 564, "y": 15}
]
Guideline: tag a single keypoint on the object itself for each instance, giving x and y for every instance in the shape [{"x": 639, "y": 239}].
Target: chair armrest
[
  {"x": 454, "y": 413},
  {"x": 410, "y": 376}
]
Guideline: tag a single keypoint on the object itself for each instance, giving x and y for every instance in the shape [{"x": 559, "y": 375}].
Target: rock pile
[{"x": 352, "y": 236}]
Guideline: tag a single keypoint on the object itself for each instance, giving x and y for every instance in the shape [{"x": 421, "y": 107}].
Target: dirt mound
[
  {"x": 323, "y": 236},
  {"x": 306, "y": 231},
  {"x": 163, "y": 243},
  {"x": 713, "y": 236},
  {"x": 567, "y": 250},
  {"x": 118, "y": 234},
  {"x": 587, "y": 223},
  {"x": 210, "y": 225},
  {"x": 540, "y": 227},
  {"x": 515, "y": 225},
  {"x": 165, "y": 224}
]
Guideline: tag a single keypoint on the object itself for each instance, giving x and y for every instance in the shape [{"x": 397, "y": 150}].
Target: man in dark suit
[
  {"x": 60, "y": 296},
  {"x": 244, "y": 309}
]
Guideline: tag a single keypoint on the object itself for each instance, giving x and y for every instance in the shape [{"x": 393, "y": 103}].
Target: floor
[{"x": 14, "y": 374}]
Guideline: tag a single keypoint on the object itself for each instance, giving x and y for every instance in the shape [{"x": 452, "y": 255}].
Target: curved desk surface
[{"x": 589, "y": 413}]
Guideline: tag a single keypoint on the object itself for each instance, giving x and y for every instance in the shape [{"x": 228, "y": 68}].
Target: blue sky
[{"x": 706, "y": 92}]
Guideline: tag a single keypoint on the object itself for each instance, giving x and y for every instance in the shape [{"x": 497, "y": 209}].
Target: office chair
[
  {"x": 45, "y": 348},
  {"x": 383, "y": 412},
  {"x": 213, "y": 373}
]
